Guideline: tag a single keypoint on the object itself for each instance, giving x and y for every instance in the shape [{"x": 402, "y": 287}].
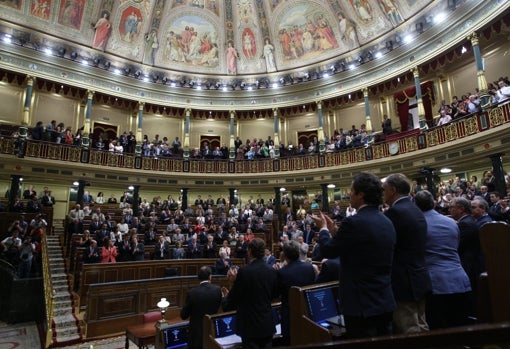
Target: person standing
[
  {"x": 294, "y": 273},
  {"x": 255, "y": 285},
  {"x": 365, "y": 244},
  {"x": 449, "y": 302},
  {"x": 201, "y": 300},
  {"x": 410, "y": 277}
]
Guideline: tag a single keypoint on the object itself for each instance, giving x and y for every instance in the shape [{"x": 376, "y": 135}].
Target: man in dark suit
[
  {"x": 330, "y": 269},
  {"x": 201, "y": 300},
  {"x": 410, "y": 278},
  {"x": 254, "y": 287},
  {"x": 365, "y": 243},
  {"x": 137, "y": 250},
  {"x": 294, "y": 273},
  {"x": 386, "y": 125}
]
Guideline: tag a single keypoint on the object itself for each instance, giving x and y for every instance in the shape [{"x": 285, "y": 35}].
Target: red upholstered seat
[{"x": 152, "y": 316}]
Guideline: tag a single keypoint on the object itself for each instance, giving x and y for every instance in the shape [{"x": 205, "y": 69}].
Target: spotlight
[
  {"x": 164, "y": 80},
  {"x": 191, "y": 83},
  {"x": 342, "y": 66},
  {"x": 61, "y": 51},
  {"x": 107, "y": 65},
  {"x": 360, "y": 60},
  {"x": 155, "y": 78},
  {"x": 234, "y": 85},
  {"x": 7, "y": 38},
  {"x": 257, "y": 84},
  {"x": 137, "y": 74},
  {"x": 242, "y": 85},
  {"x": 389, "y": 45},
  {"x": 307, "y": 76},
  {"x": 370, "y": 55},
  {"x": 182, "y": 82},
  {"x": 398, "y": 39},
  {"x": 291, "y": 80},
  {"x": 282, "y": 81},
  {"x": 419, "y": 27},
  {"x": 217, "y": 85},
  {"x": 208, "y": 84},
  {"x": 127, "y": 71},
  {"x": 95, "y": 62},
  {"x": 74, "y": 55}
]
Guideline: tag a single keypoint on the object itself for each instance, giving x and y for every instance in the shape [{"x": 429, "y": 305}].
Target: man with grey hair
[
  {"x": 479, "y": 209},
  {"x": 470, "y": 250},
  {"x": 410, "y": 278}
]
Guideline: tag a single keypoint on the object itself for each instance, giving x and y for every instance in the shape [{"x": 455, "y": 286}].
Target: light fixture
[
  {"x": 445, "y": 170},
  {"x": 61, "y": 51},
  {"x": 389, "y": 45},
  {"x": 164, "y": 80},
  {"x": 331, "y": 186},
  {"x": 107, "y": 65},
  {"x": 419, "y": 27},
  {"x": 95, "y": 62},
  {"x": 74, "y": 54},
  {"x": 137, "y": 74},
  {"x": 163, "y": 305},
  {"x": 131, "y": 187},
  {"x": 217, "y": 85},
  {"x": 155, "y": 78},
  {"x": 463, "y": 50},
  {"x": 282, "y": 189},
  {"x": 76, "y": 183},
  {"x": 48, "y": 51},
  {"x": 127, "y": 71},
  {"x": 7, "y": 38}
]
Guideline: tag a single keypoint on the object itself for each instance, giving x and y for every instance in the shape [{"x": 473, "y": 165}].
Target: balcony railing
[{"x": 457, "y": 129}]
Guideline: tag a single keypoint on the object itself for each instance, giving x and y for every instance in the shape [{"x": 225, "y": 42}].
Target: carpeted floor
[{"x": 24, "y": 335}]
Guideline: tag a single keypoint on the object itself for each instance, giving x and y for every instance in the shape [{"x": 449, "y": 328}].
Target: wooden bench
[
  {"x": 495, "y": 241},
  {"x": 126, "y": 271},
  {"x": 113, "y": 306}
]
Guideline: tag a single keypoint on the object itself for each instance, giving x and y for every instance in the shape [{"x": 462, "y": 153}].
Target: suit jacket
[
  {"x": 330, "y": 270},
  {"x": 253, "y": 290},
  {"x": 161, "y": 252},
  {"x": 365, "y": 244},
  {"x": 470, "y": 251},
  {"x": 222, "y": 266},
  {"x": 296, "y": 273},
  {"x": 410, "y": 277},
  {"x": 138, "y": 252},
  {"x": 201, "y": 300}
]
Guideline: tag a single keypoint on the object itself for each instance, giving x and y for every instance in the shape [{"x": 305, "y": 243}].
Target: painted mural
[{"x": 228, "y": 37}]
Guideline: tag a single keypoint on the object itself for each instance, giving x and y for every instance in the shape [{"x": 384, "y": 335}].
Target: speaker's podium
[
  {"x": 220, "y": 329},
  {"x": 314, "y": 314}
]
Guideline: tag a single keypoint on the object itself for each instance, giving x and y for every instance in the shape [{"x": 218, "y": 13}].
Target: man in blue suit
[
  {"x": 365, "y": 243},
  {"x": 294, "y": 273},
  {"x": 410, "y": 277}
]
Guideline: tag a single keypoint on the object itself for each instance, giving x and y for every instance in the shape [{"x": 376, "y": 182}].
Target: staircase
[{"x": 65, "y": 326}]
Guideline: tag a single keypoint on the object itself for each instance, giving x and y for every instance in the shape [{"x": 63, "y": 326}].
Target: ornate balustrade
[{"x": 457, "y": 129}]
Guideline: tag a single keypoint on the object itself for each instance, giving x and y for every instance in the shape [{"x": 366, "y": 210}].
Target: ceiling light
[
  {"x": 85, "y": 61},
  {"x": 378, "y": 54},
  {"x": 408, "y": 38},
  {"x": 137, "y": 74},
  {"x": 331, "y": 186},
  {"x": 440, "y": 17},
  {"x": 61, "y": 51},
  {"x": 463, "y": 50},
  {"x": 275, "y": 84},
  {"x": 445, "y": 170},
  {"x": 282, "y": 189},
  {"x": 107, "y": 65},
  {"x": 7, "y": 38},
  {"x": 116, "y": 71},
  {"x": 74, "y": 54},
  {"x": 48, "y": 51}
]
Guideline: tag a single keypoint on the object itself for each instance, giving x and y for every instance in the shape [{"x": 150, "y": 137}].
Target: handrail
[
  {"x": 49, "y": 292},
  {"x": 438, "y": 135}
]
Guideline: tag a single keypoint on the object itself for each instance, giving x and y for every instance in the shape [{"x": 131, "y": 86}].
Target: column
[
  {"x": 480, "y": 73},
  {"x": 325, "y": 199},
  {"x": 499, "y": 174},
  {"x": 276, "y": 136},
  {"x": 368, "y": 121},
  {"x": 231, "y": 197},
  {"x": 184, "y": 194},
  {"x": 85, "y": 140},
  {"x": 20, "y": 145},
  {"x": 419, "y": 100},
  {"x": 277, "y": 209},
  {"x": 81, "y": 190},
  {"x": 138, "y": 136},
  {"x": 15, "y": 190},
  {"x": 320, "y": 130},
  {"x": 231, "y": 144},
  {"x": 136, "y": 200},
  {"x": 186, "y": 134}
]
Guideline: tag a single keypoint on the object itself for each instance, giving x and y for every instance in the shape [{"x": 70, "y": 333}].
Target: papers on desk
[{"x": 228, "y": 342}]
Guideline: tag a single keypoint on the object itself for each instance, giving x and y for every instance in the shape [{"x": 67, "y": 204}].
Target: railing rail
[
  {"x": 457, "y": 129},
  {"x": 49, "y": 293}
]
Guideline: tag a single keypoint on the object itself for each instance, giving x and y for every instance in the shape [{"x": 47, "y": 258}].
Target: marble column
[
  {"x": 498, "y": 173},
  {"x": 325, "y": 198},
  {"x": 276, "y": 135},
  {"x": 186, "y": 134},
  {"x": 85, "y": 139},
  {"x": 139, "y": 136},
  {"x": 419, "y": 100},
  {"x": 485, "y": 98},
  {"x": 368, "y": 121},
  {"x": 20, "y": 143},
  {"x": 320, "y": 131},
  {"x": 136, "y": 200},
  {"x": 231, "y": 144}
]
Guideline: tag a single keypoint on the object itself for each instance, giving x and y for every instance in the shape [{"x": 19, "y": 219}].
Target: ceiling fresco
[{"x": 226, "y": 37}]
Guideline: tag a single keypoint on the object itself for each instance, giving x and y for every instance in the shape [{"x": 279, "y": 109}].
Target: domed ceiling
[
  {"x": 214, "y": 43},
  {"x": 225, "y": 37}
]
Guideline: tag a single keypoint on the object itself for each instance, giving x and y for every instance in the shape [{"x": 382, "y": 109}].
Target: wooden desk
[{"x": 142, "y": 335}]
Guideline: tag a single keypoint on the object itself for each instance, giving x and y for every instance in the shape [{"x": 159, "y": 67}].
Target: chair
[{"x": 152, "y": 316}]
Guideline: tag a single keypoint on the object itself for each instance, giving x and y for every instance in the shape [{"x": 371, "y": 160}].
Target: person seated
[
  {"x": 178, "y": 251},
  {"x": 162, "y": 249},
  {"x": 223, "y": 264},
  {"x": 92, "y": 254}
]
